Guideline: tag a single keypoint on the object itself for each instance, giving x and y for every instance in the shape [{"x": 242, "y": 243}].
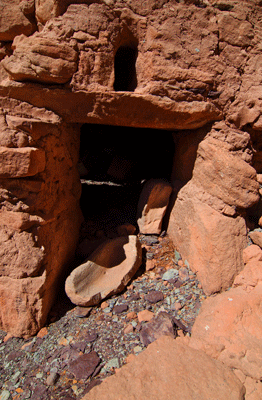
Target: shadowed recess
[{"x": 125, "y": 69}]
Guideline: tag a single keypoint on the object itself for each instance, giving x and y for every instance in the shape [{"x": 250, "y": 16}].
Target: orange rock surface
[{"x": 170, "y": 370}]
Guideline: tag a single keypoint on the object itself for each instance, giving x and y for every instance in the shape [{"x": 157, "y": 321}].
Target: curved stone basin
[{"x": 107, "y": 271}]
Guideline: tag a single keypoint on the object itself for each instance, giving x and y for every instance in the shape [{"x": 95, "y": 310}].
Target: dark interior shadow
[{"x": 125, "y": 69}]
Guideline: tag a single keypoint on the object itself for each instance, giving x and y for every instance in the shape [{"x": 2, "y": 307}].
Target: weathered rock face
[
  {"x": 80, "y": 48},
  {"x": 256, "y": 237},
  {"x": 41, "y": 59},
  {"x": 252, "y": 253},
  {"x": 205, "y": 216},
  {"x": 179, "y": 367},
  {"x": 229, "y": 325},
  {"x": 32, "y": 206},
  {"x": 47, "y": 9},
  {"x": 193, "y": 63},
  {"x": 16, "y": 18}
]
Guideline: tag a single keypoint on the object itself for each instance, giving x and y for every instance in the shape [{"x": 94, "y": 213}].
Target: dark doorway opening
[
  {"x": 114, "y": 164},
  {"x": 125, "y": 69}
]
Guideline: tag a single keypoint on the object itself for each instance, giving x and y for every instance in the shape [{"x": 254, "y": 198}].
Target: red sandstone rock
[
  {"x": 20, "y": 257},
  {"x": 201, "y": 234},
  {"x": 225, "y": 175},
  {"x": 253, "y": 389},
  {"x": 252, "y": 252},
  {"x": 152, "y": 206},
  {"x": 19, "y": 221},
  {"x": 229, "y": 328},
  {"x": 170, "y": 370},
  {"x": 31, "y": 258},
  {"x": 128, "y": 329},
  {"x": 145, "y": 316},
  {"x": 234, "y": 31},
  {"x": 47, "y": 9},
  {"x": 256, "y": 238},
  {"x": 19, "y": 297},
  {"x": 250, "y": 276},
  {"x": 99, "y": 27},
  {"x": 41, "y": 59},
  {"x": 147, "y": 6},
  {"x": 17, "y": 163},
  {"x": 201, "y": 222},
  {"x": 259, "y": 178},
  {"x": 186, "y": 78},
  {"x": 42, "y": 333},
  {"x": 10, "y": 137},
  {"x": 107, "y": 272},
  {"x": 16, "y": 19}
]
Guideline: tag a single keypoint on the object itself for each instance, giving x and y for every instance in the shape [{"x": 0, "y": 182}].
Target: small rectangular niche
[{"x": 125, "y": 69}]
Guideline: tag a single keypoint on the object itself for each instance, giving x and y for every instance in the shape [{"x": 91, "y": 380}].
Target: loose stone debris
[{"x": 53, "y": 364}]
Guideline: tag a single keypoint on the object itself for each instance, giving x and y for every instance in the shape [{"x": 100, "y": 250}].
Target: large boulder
[
  {"x": 107, "y": 271},
  {"x": 205, "y": 217},
  {"x": 201, "y": 233},
  {"x": 169, "y": 370},
  {"x": 229, "y": 326}
]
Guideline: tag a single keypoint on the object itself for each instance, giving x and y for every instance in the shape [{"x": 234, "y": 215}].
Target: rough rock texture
[
  {"x": 152, "y": 206},
  {"x": 40, "y": 59},
  {"x": 16, "y": 18},
  {"x": 250, "y": 276},
  {"x": 204, "y": 238},
  {"x": 32, "y": 206},
  {"x": 252, "y": 252},
  {"x": 193, "y": 63},
  {"x": 229, "y": 325},
  {"x": 256, "y": 238},
  {"x": 185, "y": 155},
  {"x": 18, "y": 163},
  {"x": 180, "y": 371},
  {"x": 94, "y": 33},
  {"x": 107, "y": 271},
  {"x": 205, "y": 217},
  {"x": 161, "y": 325},
  {"x": 253, "y": 389},
  {"x": 47, "y": 9}
]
